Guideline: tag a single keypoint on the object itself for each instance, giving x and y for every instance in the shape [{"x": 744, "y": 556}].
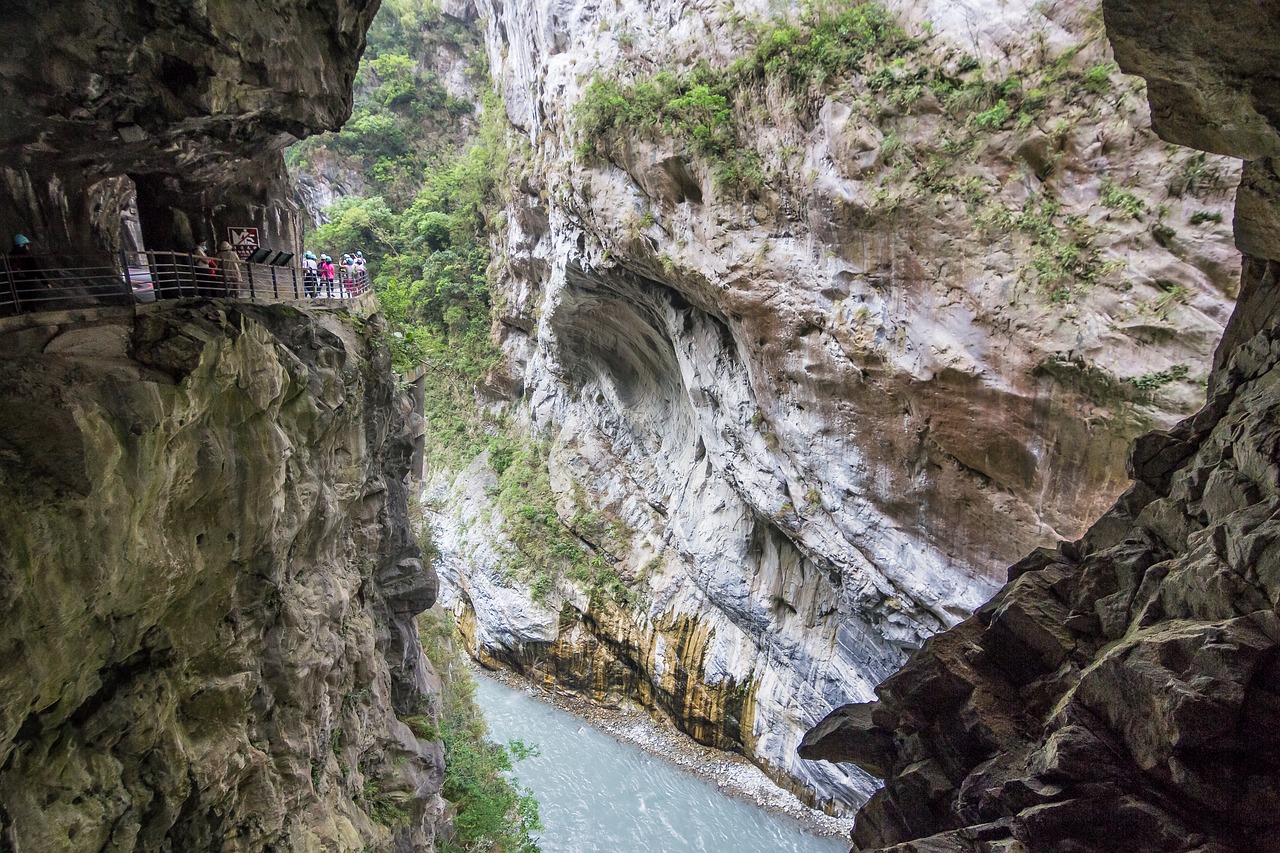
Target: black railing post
[
  {"x": 252, "y": 295},
  {"x": 275, "y": 285},
  {"x": 294, "y": 273}
]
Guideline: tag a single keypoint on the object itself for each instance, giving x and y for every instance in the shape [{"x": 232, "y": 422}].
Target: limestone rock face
[
  {"x": 1120, "y": 691},
  {"x": 827, "y": 412},
  {"x": 209, "y": 586}
]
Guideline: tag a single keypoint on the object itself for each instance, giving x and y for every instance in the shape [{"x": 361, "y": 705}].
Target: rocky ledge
[{"x": 180, "y": 109}]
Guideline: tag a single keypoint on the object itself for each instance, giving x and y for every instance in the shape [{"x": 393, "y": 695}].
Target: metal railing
[{"x": 34, "y": 283}]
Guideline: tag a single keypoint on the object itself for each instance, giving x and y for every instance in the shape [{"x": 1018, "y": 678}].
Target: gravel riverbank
[{"x": 732, "y": 774}]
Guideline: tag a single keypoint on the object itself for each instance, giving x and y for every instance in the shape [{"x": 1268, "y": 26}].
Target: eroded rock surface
[
  {"x": 811, "y": 423},
  {"x": 1120, "y": 691},
  {"x": 209, "y": 586},
  {"x": 189, "y": 103}
]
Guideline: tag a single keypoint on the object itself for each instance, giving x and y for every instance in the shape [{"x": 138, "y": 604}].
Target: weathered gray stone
[
  {"x": 209, "y": 591},
  {"x": 849, "y": 734}
]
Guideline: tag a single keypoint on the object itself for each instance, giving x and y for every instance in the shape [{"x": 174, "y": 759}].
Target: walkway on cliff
[{"x": 36, "y": 284}]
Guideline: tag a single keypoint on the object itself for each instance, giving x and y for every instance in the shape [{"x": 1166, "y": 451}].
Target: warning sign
[{"x": 243, "y": 240}]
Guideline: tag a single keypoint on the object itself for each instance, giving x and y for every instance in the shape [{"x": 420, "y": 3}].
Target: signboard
[{"x": 243, "y": 240}]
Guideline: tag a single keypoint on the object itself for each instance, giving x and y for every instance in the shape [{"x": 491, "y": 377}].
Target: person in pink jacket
[{"x": 327, "y": 274}]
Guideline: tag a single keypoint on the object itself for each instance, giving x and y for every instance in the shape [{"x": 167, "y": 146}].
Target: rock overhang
[{"x": 191, "y": 103}]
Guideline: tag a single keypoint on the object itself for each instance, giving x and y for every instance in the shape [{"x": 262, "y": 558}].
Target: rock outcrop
[
  {"x": 1121, "y": 690},
  {"x": 190, "y": 105},
  {"x": 807, "y": 423},
  {"x": 209, "y": 586}
]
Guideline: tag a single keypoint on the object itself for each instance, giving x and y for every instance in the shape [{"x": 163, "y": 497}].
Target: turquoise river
[{"x": 598, "y": 794}]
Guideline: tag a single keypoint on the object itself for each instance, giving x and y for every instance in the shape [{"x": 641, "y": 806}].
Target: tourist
[
  {"x": 205, "y": 269},
  {"x": 327, "y": 274},
  {"x": 230, "y": 263},
  {"x": 310, "y": 274},
  {"x": 362, "y": 274},
  {"x": 348, "y": 271},
  {"x": 24, "y": 271}
]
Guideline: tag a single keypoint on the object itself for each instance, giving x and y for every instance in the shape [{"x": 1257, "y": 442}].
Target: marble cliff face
[
  {"x": 1124, "y": 686},
  {"x": 811, "y": 424}
]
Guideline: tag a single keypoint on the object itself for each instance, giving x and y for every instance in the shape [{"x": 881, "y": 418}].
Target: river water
[{"x": 597, "y": 794}]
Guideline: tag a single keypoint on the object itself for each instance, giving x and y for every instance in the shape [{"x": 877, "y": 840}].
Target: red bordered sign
[{"x": 243, "y": 240}]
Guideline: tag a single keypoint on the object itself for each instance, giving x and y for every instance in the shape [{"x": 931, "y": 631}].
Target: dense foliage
[
  {"x": 403, "y": 119},
  {"x": 702, "y": 105},
  {"x": 435, "y": 163}
]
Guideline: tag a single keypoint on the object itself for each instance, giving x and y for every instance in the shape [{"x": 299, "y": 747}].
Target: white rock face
[
  {"x": 324, "y": 182},
  {"x": 829, "y": 415}
]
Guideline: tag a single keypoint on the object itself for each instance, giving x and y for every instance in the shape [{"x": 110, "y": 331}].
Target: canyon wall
[
  {"x": 210, "y": 581},
  {"x": 1121, "y": 690},
  {"x": 798, "y": 402},
  {"x": 210, "y": 585}
]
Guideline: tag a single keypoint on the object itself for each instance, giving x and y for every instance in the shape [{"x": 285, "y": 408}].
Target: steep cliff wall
[
  {"x": 210, "y": 581},
  {"x": 1121, "y": 691},
  {"x": 209, "y": 586},
  {"x": 805, "y": 367}
]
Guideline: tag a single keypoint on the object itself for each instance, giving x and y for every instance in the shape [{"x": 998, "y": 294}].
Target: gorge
[
  {"x": 772, "y": 409},
  {"x": 759, "y": 343}
]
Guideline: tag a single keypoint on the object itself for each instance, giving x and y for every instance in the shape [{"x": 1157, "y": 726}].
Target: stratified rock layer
[
  {"x": 209, "y": 586},
  {"x": 1123, "y": 691}
]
